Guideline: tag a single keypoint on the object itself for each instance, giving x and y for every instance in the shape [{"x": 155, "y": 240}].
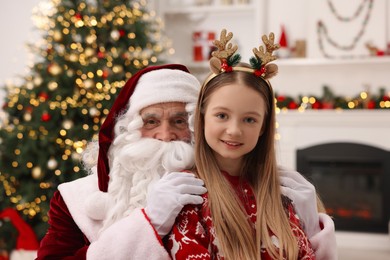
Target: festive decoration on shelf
[
  {"x": 284, "y": 51},
  {"x": 351, "y": 18},
  {"x": 88, "y": 51},
  {"x": 322, "y": 30},
  {"x": 364, "y": 100}
]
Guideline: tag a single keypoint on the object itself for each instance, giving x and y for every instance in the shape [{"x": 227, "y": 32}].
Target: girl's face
[{"x": 233, "y": 119}]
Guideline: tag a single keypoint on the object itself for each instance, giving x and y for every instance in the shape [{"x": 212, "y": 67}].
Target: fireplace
[{"x": 353, "y": 181}]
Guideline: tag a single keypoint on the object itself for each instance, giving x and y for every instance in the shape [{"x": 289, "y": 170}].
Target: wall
[{"x": 16, "y": 29}]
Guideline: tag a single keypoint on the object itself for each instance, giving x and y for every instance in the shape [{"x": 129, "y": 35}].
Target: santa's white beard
[{"x": 136, "y": 165}]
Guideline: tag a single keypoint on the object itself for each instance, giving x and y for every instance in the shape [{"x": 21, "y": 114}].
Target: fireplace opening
[{"x": 353, "y": 180}]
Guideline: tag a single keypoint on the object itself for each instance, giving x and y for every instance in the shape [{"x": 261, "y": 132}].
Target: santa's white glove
[
  {"x": 168, "y": 196},
  {"x": 304, "y": 197}
]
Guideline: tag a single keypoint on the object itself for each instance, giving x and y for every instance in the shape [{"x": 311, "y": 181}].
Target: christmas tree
[{"x": 88, "y": 51}]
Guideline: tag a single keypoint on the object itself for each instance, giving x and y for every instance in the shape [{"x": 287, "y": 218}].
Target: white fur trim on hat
[{"x": 162, "y": 86}]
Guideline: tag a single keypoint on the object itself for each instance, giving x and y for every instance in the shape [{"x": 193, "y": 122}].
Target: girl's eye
[
  {"x": 250, "y": 120},
  {"x": 221, "y": 116}
]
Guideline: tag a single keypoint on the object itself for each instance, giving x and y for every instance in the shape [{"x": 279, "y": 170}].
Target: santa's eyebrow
[
  {"x": 146, "y": 115},
  {"x": 180, "y": 113}
]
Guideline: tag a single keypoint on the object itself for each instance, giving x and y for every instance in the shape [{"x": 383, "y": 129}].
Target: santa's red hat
[{"x": 152, "y": 85}]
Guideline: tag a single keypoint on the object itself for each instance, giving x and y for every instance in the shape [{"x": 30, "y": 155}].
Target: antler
[
  {"x": 224, "y": 51},
  {"x": 266, "y": 55}
]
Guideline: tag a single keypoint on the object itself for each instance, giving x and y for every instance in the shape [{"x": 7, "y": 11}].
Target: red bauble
[
  {"x": 43, "y": 95},
  {"x": 281, "y": 98},
  {"x": 46, "y": 117},
  {"x": 78, "y": 16},
  {"x": 292, "y": 105},
  {"x": 105, "y": 74},
  {"x": 122, "y": 33},
  {"x": 316, "y": 105},
  {"x": 371, "y": 104},
  {"x": 100, "y": 55},
  {"x": 29, "y": 109}
]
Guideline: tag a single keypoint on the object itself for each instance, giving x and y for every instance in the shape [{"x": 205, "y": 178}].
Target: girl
[{"x": 244, "y": 214}]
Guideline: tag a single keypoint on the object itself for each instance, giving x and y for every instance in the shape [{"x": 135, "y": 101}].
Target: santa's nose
[{"x": 166, "y": 133}]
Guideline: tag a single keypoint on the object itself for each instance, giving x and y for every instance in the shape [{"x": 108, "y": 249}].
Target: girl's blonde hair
[{"x": 236, "y": 236}]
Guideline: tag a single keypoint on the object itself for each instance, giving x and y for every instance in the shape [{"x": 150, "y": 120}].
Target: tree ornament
[
  {"x": 27, "y": 117},
  {"x": 78, "y": 16},
  {"x": 54, "y": 69},
  {"x": 115, "y": 35},
  {"x": 45, "y": 117},
  {"x": 77, "y": 37},
  {"x": 52, "y": 163},
  {"x": 101, "y": 54},
  {"x": 43, "y": 96},
  {"x": 73, "y": 57},
  {"x": 89, "y": 52},
  {"x": 37, "y": 80},
  {"x": 117, "y": 69},
  {"x": 52, "y": 85},
  {"x": 69, "y": 73},
  {"x": 90, "y": 39},
  {"x": 106, "y": 73},
  {"x": 88, "y": 83},
  {"x": 36, "y": 172},
  {"x": 67, "y": 124},
  {"x": 57, "y": 35},
  {"x": 93, "y": 111}
]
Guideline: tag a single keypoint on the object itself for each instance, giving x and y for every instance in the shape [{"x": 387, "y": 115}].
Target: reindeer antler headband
[{"x": 225, "y": 59}]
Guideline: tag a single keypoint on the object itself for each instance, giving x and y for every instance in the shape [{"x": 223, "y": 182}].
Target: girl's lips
[{"x": 231, "y": 143}]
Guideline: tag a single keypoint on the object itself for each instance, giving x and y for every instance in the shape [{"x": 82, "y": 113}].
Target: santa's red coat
[{"x": 74, "y": 235}]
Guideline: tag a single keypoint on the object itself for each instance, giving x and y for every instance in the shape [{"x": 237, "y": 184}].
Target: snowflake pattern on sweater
[{"x": 193, "y": 235}]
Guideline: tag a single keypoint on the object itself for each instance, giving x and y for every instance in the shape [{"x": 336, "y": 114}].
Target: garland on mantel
[{"x": 364, "y": 100}]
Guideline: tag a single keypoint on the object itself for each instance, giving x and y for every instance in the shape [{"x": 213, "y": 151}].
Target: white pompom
[{"x": 97, "y": 205}]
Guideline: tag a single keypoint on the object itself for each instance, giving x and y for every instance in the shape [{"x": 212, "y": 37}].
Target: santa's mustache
[{"x": 148, "y": 153}]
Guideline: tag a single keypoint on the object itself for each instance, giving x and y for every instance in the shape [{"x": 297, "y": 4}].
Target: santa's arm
[
  {"x": 63, "y": 239},
  {"x": 132, "y": 237},
  {"x": 319, "y": 227}
]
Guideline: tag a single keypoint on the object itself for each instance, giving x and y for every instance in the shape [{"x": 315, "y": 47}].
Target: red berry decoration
[{"x": 225, "y": 67}]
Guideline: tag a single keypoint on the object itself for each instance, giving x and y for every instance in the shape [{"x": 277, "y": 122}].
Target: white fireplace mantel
[{"x": 298, "y": 130}]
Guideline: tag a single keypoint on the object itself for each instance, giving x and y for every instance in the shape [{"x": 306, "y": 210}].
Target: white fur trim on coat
[{"x": 324, "y": 242}]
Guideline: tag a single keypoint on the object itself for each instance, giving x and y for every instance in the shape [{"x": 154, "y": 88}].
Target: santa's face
[{"x": 166, "y": 122}]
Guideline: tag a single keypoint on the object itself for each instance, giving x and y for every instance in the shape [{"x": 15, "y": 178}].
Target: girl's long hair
[{"x": 236, "y": 237}]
